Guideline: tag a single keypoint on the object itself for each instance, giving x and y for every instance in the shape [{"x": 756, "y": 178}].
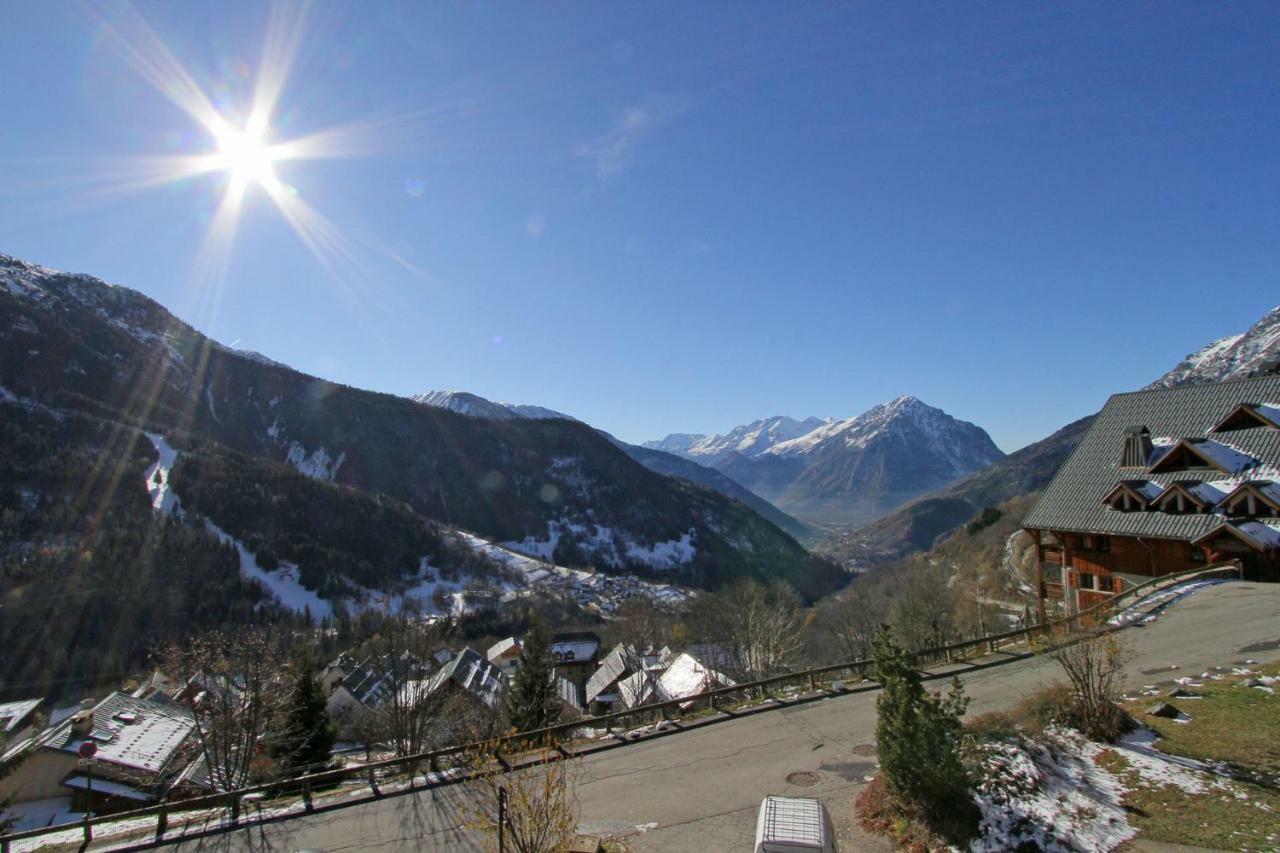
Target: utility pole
[{"x": 502, "y": 819}]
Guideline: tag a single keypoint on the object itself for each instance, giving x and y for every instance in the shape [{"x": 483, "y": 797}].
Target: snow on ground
[
  {"x": 664, "y": 555},
  {"x": 163, "y": 498},
  {"x": 422, "y": 594},
  {"x": 1050, "y": 794},
  {"x": 283, "y": 583},
  {"x": 318, "y": 464},
  {"x": 597, "y": 586},
  {"x": 608, "y": 546},
  {"x": 1148, "y": 608}
]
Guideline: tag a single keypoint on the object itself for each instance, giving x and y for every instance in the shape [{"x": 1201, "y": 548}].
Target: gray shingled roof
[{"x": 1073, "y": 501}]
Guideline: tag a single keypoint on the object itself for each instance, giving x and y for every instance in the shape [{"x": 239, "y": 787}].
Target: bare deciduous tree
[
  {"x": 923, "y": 611},
  {"x": 851, "y": 622},
  {"x": 763, "y": 623},
  {"x": 231, "y": 683},
  {"x": 1095, "y": 668},
  {"x": 402, "y": 712},
  {"x": 540, "y": 811}
]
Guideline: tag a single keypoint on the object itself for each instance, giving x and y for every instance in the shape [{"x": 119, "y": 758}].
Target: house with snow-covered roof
[
  {"x": 142, "y": 748},
  {"x": 575, "y": 654},
  {"x": 1166, "y": 479},
  {"x": 505, "y": 655},
  {"x": 18, "y": 719},
  {"x": 682, "y": 676}
]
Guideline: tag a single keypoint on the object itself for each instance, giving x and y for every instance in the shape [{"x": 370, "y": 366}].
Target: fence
[{"x": 717, "y": 699}]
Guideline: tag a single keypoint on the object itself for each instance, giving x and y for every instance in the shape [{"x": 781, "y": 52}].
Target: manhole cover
[
  {"x": 803, "y": 778},
  {"x": 865, "y": 749}
]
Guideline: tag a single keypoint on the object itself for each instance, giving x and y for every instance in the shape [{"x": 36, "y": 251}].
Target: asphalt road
[{"x": 699, "y": 790}]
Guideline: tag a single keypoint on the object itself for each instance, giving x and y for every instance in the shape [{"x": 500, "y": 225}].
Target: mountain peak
[
  {"x": 473, "y": 405},
  {"x": 1232, "y": 357}
]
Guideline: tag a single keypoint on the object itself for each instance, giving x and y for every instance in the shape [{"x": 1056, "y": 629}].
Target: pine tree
[
  {"x": 918, "y": 735},
  {"x": 532, "y": 700},
  {"x": 306, "y": 736}
]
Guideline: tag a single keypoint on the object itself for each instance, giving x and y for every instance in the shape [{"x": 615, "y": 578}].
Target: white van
[{"x": 787, "y": 824}]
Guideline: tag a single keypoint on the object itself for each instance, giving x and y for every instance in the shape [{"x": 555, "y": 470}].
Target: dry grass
[
  {"x": 876, "y": 811},
  {"x": 1231, "y": 723}
]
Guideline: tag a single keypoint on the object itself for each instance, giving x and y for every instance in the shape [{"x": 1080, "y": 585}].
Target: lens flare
[{"x": 246, "y": 155}]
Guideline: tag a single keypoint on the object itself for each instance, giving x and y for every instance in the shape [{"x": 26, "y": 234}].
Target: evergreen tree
[
  {"x": 532, "y": 699},
  {"x": 918, "y": 735},
  {"x": 306, "y": 736}
]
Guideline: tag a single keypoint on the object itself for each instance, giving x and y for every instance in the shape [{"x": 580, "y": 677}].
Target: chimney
[
  {"x": 81, "y": 723},
  {"x": 1137, "y": 447}
]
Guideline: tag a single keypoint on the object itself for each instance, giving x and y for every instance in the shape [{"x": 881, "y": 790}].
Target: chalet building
[
  {"x": 505, "y": 655},
  {"x": 575, "y": 654},
  {"x": 1165, "y": 480},
  {"x": 145, "y": 751},
  {"x": 19, "y": 720}
]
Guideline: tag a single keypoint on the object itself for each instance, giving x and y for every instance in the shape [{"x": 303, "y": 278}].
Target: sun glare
[{"x": 246, "y": 155}]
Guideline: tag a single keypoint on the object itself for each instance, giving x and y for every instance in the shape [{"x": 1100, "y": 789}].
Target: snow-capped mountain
[
  {"x": 1232, "y": 357},
  {"x": 473, "y": 405},
  {"x": 655, "y": 459},
  {"x": 846, "y": 472},
  {"x": 749, "y": 439}
]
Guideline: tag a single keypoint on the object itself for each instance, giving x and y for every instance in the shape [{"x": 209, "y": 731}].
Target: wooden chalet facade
[{"x": 1165, "y": 479}]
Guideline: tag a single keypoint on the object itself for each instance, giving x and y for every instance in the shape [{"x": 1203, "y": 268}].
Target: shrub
[{"x": 919, "y": 739}]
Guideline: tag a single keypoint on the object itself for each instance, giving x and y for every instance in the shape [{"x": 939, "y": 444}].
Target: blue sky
[{"x": 661, "y": 218}]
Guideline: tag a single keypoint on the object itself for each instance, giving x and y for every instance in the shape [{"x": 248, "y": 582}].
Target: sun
[{"x": 245, "y": 154}]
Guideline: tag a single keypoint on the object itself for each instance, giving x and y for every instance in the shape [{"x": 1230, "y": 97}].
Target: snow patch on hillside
[
  {"x": 283, "y": 584},
  {"x": 318, "y": 465},
  {"x": 163, "y": 498},
  {"x": 665, "y": 555}
]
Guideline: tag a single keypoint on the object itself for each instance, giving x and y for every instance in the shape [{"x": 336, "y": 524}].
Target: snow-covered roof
[
  {"x": 474, "y": 674},
  {"x": 1219, "y": 454},
  {"x": 579, "y": 651},
  {"x": 1266, "y": 535},
  {"x": 684, "y": 677},
  {"x": 108, "y": 788},
  {"x": 579, "y": 647},
  {"x": 14, "y": 714},
  {"x": 147, "y": 742},
  {"x": 613, "y": 667},
  {"x": 501, "y": 647}
]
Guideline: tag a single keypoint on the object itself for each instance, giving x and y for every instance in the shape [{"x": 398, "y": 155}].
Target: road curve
[{"x": 699, "y": 790}]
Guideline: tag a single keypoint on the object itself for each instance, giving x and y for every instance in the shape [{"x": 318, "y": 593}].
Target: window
[
  {"x": 1102, "y": 544},
  {"x": 1087, "y": 581}
]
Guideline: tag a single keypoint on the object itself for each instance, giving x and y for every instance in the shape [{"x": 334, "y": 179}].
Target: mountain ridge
[
  {"x": 82, "y": 344},
  {"x": 844, "y": 471}
]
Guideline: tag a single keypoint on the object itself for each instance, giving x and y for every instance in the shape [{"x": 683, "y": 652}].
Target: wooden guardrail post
[
  {"x": 162, "y": 820},
  {"x": 307, "y": 805},
  {"x": 813, "y": 682}
]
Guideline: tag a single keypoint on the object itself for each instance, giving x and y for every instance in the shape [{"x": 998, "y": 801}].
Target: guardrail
[{"x": 1064, "y": 629}]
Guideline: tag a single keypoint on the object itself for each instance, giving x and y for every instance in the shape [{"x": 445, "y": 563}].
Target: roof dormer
[
  {"x": 1132, "y": 495},
  {"x": 1254, "y": 498},
  {"x": 1202, "y": 454},
  {"x": 1182, "y": 499},
  {"x": 1250, "y": 416}
]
